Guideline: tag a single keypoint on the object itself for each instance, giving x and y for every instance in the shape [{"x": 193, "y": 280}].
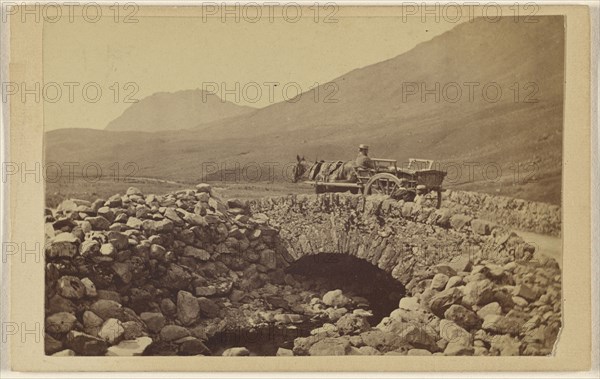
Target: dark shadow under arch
[{"x": 353, "y": 276}]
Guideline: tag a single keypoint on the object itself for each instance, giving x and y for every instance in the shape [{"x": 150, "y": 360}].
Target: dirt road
[{"x": 549, "y": 245}]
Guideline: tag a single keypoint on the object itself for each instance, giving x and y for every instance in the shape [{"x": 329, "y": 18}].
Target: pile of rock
[
  {"x": 458, "y": 309},
  {"x": 137, "y": 273}
]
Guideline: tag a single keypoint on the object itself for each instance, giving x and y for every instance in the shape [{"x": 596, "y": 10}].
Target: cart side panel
[{"x": 432, "y": 179}]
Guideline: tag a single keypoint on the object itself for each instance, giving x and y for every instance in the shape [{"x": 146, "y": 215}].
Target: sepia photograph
[{"x": 299, "y": 180}]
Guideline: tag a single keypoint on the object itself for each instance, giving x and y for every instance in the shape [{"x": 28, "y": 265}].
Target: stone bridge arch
[{"x": 401, "y": 238}]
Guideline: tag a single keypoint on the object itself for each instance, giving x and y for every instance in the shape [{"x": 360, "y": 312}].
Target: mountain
[
  {"x": 493, "y": 117},
  {"x": 176, "y": 110}
]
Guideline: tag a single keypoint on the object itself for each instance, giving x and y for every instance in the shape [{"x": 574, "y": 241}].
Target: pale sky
[{"x": 169, "y": 54}]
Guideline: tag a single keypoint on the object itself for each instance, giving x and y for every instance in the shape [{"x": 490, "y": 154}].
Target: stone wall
[
  {"x": 514, "y": 213},
  {"x": 160, "y": 273}
]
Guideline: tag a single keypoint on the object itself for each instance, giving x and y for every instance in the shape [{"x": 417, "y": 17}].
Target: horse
[{"x": 322, "y": 171}]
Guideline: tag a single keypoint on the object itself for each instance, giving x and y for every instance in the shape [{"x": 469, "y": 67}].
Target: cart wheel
[{"x": 382, "y": 184}]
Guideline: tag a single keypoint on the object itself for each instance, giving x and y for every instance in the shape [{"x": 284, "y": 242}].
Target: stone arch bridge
[{"x": 398, "y": 237}]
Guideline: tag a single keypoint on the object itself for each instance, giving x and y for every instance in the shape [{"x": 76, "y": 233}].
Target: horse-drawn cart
[{"x": 418, "y": 181}]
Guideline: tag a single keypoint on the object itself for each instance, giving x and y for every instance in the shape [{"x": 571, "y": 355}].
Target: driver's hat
[{"x": 362, "y": 146}]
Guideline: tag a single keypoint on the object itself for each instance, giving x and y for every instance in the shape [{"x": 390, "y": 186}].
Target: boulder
[
  {"x": 98, "y": 223},
  {"x": 454, "y": 281},
  {"x": 168, "y": 307},
  {"x": 172, "y": 215},
  {"x": 176, "y": 278},
  {"x": 451, "y": 331},
  {"x": 518, "y": 300},
  {"x": 193, "y": 346},
  {"x": 157, "y": 252},
  {"x": 63, "y": 245},
  {"x": 61, "y": 322},
  {"x": 330, "y": 346},
  {"x": 188, "y": 308},
  {"x": 173, "y": 332},
  {"x": 52, "y": 345},
  {"x": 206, "y": 291},
  {"x": 89, "y": 248},
  {"x": 90, "y": 287},
  {"x": 462, "y": 316},
  {"x": 134, "y": 223},
  {"x": 68, "y": 206},
  {"x": 525, "y": 292},
  {"x": 501, "y": 324},
  {"x": 133, "y": 191},
  {"x": 208, "y": 308},
  {"x": 281, "y": 352},
  {"x": 267, "y": 259},
  {"x": 236, "y": 352},
  {"x": 489, "y": 309},
  {"x": 439, "y": 281},
  {"x": 289, "y": 318},
  {"x": 193, "y": 252},
  {"x": 459, "y": 340},
  {"x": 459, "y": 347},
  {"x": 133, "y": 330},
  {"x": 119, "y": 240},
  {"x": 381, "y": 340},
  {"x": 352, "y": 324},
  {"x": 409, "y": 303},
  {"x": 153, "y": 320},
  {"x": 123, "y": 271},
  {"x": 84, "y": 344},
  {"x": 111, "y": 331},
  {"x": 478, "y": 292},
  {"x": 335, "y": 298},
  {"x": 440, "y": 302},
  {"x": 107, "y": 213},
  {"x": 203, "y": 187},
  {"x": 70, "y": 287},
  {"x": 163, "y": 226},
  {"x": 91, "y": 321},
  {"x": 106, "y": 309},
  {"x": 418, "y": 336},
  {"x": 107, "y": 249},
  {"x": 58, "y": 304}
]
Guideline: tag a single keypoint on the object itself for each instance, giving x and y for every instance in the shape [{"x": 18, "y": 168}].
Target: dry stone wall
[
  {"x": 519, "y": 214},
  {"x": 160, "y": 274}
]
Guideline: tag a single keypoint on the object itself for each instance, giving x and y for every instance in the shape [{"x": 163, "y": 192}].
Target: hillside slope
[{"x": 517, "y": 139}]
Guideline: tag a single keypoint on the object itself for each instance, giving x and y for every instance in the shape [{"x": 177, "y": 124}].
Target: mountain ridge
[
  {"x": 371, "y": 109},
  {"x": 176, "y": 110}
]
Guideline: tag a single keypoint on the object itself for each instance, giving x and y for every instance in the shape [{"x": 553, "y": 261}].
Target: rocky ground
[
  {"x": 457, "y": 309},
  {"x": 171, "y": 275}
]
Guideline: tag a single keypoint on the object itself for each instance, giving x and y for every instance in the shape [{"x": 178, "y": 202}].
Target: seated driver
[{"x": 363, "y": 159}]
